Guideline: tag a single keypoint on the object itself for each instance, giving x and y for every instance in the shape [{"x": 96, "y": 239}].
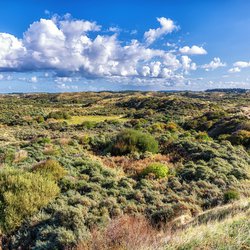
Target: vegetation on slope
[{"x": 158, "y": 161}]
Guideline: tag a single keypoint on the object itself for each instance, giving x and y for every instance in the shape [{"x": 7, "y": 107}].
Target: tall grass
[
  {"x": 209, "y": 231},
  {"x": 226, "y": 227}
]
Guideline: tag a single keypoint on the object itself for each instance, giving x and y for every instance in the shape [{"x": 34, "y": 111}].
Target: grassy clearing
[
  {"x": 230, "y": 233},
  {"x": 75, "y": 120}
]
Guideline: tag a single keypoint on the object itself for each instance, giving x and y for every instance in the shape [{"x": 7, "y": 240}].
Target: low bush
[
  {"x": 159, "y": 170},
  {"x": 59, "y": 115},
  {"x": 50, "y": 168},
  {"x": 130, "y": 141},
  {"x": 21, "y": 195},
  {"x": 231, "y": 195}
]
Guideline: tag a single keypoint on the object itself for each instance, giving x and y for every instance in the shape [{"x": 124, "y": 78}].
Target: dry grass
[
  {"x": 126, "y": 233},
  {"x": 231, "y": 232},
  {"x": 133, "y": 166},
  {"x": 214, "y": 231},
  {"x": 21, "y": 155}
]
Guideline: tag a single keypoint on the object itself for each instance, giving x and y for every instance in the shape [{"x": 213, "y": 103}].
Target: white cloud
[
  {"x": 167, "y": 26},
  {"x": 114, "y": 29},
  {"x": 241, "y": 64},
  {"x": 1, "y": 77},
  {"x": 238, "y": 66},
  {"x": 187, "y": 64},
  {"x": 77, "y": 27},
  {"x": 133, "y": 32},
  {"x": 214, "y": 64},
  {"x": 234, "y": 70},
  {"x": 65, "y": 79},
  {"x": 64, "y": 86},
  {"x": 65, "y": 48},
  {"x": 11, "y": 51},
  {"x": 33, "y": 79},
  {"x": 194, "y": 50}
]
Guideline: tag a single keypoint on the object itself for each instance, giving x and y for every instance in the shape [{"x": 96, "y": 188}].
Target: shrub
[
  {"x": 127, "y": 232},
  {"x": 171, "y": 126},
  {"x": 202, "y": 136},
  {"x": 130, "y": 141},
  {"x": 161, "y": 217},
  {"x": 88, "y": 124},
  {"x": 21, "y": 195},
  {"x": 241, "y": 137},
  {"x": 58, "y": 115},
  {"x": 50, "y": 168},
  {"x": 231, "y": 195},
  {"x": 39, "y": 119},
  {"x": 159, "y": 170}
]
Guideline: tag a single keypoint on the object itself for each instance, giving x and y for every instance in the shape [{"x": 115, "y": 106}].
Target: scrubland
[{"x": 126, "y": 170}]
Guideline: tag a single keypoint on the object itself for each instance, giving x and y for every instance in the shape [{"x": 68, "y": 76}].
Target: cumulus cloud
[
  {"x": 214, "y": 64},
  {"x": 187, "y": 64},
  {"x": 241, "y": 64},
  {"x": 238, "y": 66},
  {"x": 78, "y": 48},
  {"x": 167, "y": 26},
  {"x": 11, "y": 51},
  {"x": 194, "y": 50}
]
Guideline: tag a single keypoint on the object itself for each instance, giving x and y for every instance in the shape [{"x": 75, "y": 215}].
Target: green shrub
[
  {"x": 39, "y": 119},
  {"x": 59, "y": 115},
  {"x": 21, "y": 195},
  {"x": 231, "y": 195},
  {"x": 159, "y": 170},
  {"x": 130, "y": 141},
  {"x": 202, "y": 136},
  {"x": 50, "y": 168},
  {"x": 88, "y": 124}
]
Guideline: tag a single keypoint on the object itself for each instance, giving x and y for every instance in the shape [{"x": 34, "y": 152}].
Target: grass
[
  {"x": 233, "y": 232},
  {"x": 75, "y": 120},
  {"x": 228, "y": 232}
]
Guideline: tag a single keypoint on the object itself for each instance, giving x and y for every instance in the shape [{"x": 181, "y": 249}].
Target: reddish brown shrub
[{"x": 127, "y": 232}]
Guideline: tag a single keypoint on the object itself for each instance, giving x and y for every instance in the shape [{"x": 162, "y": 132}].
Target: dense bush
[
  {"x": 130, "y": 141},
  {"x": 157, "y": 169},
  {"x": 21, "y": 195},
  {"x": 59, "y": 115},
  {"x": 50, "y": 168},
  {"x": 240, "y": 137},
  {"x": 231, "y": 195}
]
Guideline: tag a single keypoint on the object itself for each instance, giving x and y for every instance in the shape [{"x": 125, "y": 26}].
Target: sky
[{"x": 76, "y": 45}]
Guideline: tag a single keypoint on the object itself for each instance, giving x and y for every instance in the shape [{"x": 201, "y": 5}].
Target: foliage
[
  {"x": 21, "y": 195},
  {"x": 129, "y": 141},
  {"x": 58, "y": 115},
  {"x": 159, "y": 170},
  {"x": 50, "y": 168},
  {"x": 231, "y": 195},
  {"x": 66, "y": 146}
]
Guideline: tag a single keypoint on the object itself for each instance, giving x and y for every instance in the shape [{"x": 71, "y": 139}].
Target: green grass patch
[{"x": 75, "y": 120}]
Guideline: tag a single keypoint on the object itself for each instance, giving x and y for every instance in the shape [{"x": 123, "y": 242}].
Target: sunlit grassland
[{"x": 75, "y": 120}]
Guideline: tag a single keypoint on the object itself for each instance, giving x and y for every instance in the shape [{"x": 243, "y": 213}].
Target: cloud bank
[{"x": 83, "y": 49}]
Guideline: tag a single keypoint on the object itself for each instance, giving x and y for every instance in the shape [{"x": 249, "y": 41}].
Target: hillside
[{"x": 125, "y": 170}]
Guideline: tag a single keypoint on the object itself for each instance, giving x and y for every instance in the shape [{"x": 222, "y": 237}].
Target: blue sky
[{"x": 77, "y": 45}]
